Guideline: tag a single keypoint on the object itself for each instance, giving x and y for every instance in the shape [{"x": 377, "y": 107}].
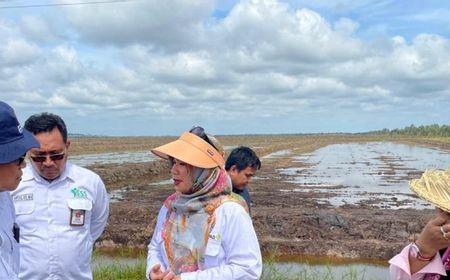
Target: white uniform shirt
[
  {"x": 50, "y": 247},
  {"x": 9, "y": 249},
  {"x": 232, "y": 251}
]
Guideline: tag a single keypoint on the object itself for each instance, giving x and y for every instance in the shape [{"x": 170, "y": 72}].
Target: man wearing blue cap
[{"x": 14, "y": 144}]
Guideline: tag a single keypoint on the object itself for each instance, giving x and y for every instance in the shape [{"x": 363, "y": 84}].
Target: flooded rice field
[
  {"x": 345, "y": 196},
  {"x": 358, "y": 173},
  {"x": 375, "y": 172}
]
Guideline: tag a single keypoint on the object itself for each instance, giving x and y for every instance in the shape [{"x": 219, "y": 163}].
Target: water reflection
[
  {"x": 295, "y": 269},
  {"x": 375, "y": 173},
  {"x": 277, "y": 154},
  {"x": 314, "y": 267}
]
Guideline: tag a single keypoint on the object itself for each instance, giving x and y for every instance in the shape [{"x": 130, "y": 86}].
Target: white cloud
[
  {"x": 15, "y": 52},
  {"x": 262, "y": 62},
  {"x": 170, "y": 24}
]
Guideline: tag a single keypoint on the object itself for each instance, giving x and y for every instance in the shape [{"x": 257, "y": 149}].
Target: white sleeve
[
  {"x": 243, "y": 259},
  {"x": 154, "y": 255},
  {"x": 100, "y": 210}
]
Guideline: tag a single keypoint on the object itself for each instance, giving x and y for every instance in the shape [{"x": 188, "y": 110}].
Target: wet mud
[{"x": 288, "y": 221}]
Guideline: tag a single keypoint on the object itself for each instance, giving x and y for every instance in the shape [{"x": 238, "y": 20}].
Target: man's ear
[{"x": 234, "y": 169}]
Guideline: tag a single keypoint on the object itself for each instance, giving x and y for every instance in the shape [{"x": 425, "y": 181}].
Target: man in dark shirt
[{"x": 241, "y": 165}]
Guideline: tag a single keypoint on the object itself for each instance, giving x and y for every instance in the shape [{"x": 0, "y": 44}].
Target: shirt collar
[{"x": 30, "y": 173}]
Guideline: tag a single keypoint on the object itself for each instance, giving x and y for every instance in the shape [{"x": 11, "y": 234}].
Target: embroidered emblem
[
  {"x": 215, "y": 236},
  {"x": 78, "y": 193}
]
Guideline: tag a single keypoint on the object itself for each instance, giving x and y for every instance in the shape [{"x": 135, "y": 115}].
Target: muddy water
[
  {"x": 290, "y": 267},
  {"x": 108, "y": 158},
  {"x": 376, "y": 173}
]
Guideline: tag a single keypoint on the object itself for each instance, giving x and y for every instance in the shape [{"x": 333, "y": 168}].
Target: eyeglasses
[{"x": 53, "y": 157}]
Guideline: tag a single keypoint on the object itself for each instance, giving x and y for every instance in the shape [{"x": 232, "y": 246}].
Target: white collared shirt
[
  {"x": 232, "y": 251},
  {"x": 50, "y": 247},
  {"x": 9, "y": 249}
]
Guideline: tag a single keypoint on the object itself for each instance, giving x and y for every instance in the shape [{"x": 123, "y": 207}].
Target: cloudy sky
[{"x": 150, "y": 67}]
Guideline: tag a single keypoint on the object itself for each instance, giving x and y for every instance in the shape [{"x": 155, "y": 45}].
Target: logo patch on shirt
[
  {"x": 78, "y": 193},
  {"x": 215, "y": 236},
  {"x": 23, "y": 197}
]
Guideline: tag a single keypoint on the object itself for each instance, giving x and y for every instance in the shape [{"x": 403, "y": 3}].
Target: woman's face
[{"x": 182, "y": 176}]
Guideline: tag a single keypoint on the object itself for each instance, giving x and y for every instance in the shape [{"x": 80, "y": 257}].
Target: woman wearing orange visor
[{"x": 203, "y": 230}]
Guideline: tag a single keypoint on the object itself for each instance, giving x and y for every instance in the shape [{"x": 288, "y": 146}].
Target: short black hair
[
  {"x": 46, "y": 122},
  {"x": 242, "y": 157}
]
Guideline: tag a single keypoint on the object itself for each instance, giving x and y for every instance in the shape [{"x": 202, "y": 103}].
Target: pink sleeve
[{"x": 399, "y": 266}]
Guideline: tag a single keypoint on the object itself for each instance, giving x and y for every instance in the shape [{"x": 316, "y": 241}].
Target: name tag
[
  {"x": 23, "y": 197},
  {"x": 77, "y": 217}
]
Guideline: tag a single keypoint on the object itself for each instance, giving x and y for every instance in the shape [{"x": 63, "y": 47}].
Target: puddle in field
[
  {"x": 375, "y": 173},
  {"x": 277, "y": 154},
  {"x": 117, "y": 158},
  {"x": 290, "y": 266}
]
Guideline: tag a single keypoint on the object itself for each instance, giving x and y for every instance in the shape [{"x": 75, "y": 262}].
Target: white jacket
[
  {"x": 50, "y": 247},
  {"x": 234, "y": 255}
]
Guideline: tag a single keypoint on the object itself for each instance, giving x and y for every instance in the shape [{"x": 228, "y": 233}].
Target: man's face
[
  {"x": 242, "y": 178},
  {"x": 50, "y": 159},
  {"x": 10, "y": 175}
]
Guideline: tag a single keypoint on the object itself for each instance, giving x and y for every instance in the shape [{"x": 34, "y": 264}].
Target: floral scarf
[{"x": 190, "y": 218}]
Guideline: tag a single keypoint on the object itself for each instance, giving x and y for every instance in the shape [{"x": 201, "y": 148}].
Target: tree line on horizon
[{"x": 412, "y": 130}]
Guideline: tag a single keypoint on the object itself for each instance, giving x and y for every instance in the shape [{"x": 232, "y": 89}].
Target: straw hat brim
[{"x": 434, "y": 187}]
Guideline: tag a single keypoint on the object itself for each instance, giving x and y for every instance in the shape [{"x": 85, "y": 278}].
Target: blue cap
[{"x": 14, "y": 140}]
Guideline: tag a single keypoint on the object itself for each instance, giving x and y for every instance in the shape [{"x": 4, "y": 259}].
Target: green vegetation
[
  {"x": 433, "y": 130},
  {"x": 118, "y": 271},
  {"x": 121, "y": 272}
]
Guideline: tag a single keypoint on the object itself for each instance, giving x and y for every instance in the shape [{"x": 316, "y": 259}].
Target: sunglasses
[
  {"x": 199, "y": 131},
  {"x": 53, "y": 157}
]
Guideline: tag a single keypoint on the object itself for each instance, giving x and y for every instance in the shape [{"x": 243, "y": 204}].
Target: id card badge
[{"x": 77, "y": 217}]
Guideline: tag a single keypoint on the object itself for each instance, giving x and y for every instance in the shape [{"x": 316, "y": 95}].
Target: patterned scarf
[
  {"x": 190, "y": 218},
  {"x": 446, "y": 262}
]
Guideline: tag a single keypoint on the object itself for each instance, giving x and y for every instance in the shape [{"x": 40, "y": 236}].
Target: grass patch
[
  {"x": 120, "y": 272},
  {"x": 136, "y": 271}
]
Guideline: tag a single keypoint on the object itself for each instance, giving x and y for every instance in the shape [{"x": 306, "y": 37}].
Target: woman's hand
[
  {"x": 157, "y": 274},
  {"x": 431, "y": 239}
]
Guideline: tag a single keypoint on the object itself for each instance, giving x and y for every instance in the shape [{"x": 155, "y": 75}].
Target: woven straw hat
[{"x": 434, "y": 187}]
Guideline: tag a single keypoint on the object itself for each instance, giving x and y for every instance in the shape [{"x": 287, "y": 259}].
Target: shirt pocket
[
  {"x": 25, "y": 211},
  {"x": 79, "y": 212},
  {"x": 212, "y": 253}
]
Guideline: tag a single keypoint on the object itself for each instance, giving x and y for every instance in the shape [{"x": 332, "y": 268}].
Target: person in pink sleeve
[{"x": 428, "y": 257}]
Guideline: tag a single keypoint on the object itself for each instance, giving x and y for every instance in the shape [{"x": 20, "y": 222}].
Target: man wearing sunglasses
[
  {"x": 14, "y": 143},
  {"x": 61, "y": 208}
]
